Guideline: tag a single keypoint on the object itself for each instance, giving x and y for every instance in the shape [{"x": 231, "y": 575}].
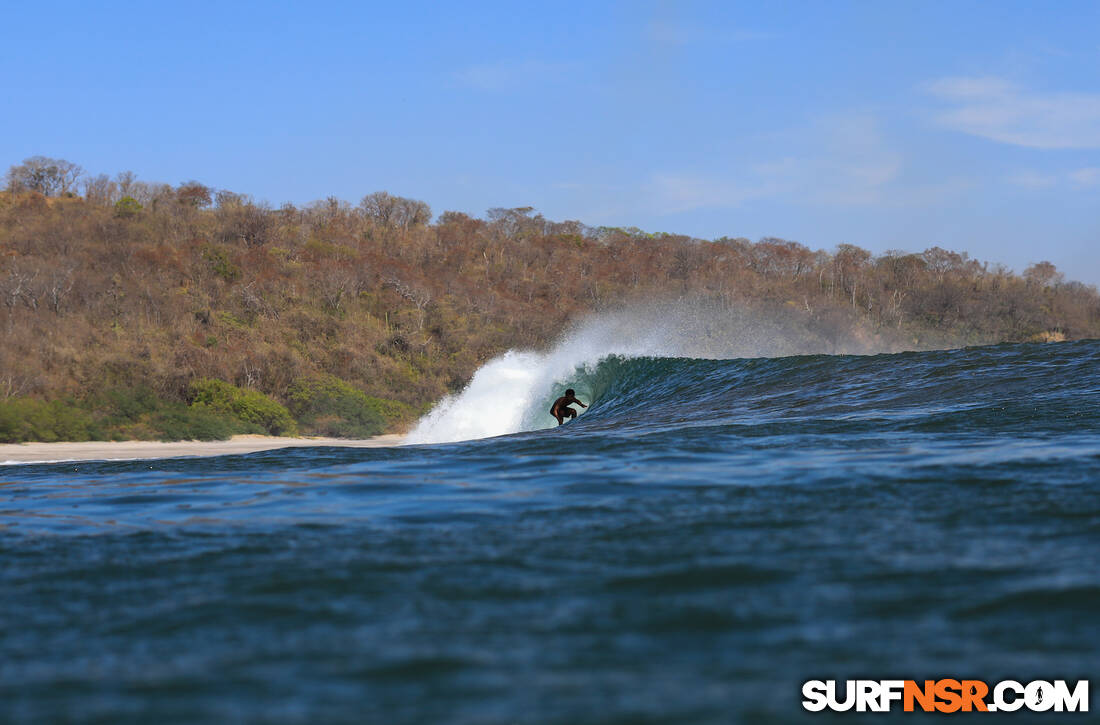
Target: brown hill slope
[{"x": 355, "y": 318}]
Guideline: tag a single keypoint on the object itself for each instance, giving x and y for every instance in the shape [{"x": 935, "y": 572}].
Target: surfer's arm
[{"x": 579, "y": 403}]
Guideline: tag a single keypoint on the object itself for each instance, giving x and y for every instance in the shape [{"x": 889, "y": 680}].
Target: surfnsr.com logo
[{"x": 946, "y": 695}]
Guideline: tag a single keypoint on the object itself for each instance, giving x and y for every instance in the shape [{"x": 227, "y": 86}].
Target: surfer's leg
[{"x": 570, "y": 413}]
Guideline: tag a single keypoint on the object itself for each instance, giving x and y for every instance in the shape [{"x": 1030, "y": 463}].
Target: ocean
[{"x": 706, "y": 536}]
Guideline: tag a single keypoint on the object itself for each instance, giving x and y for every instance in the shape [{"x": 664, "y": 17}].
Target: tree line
[{"x": 109, "y": 283}]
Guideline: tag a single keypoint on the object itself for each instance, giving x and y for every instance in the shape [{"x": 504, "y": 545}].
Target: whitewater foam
[{"x": 513, "y": 392}]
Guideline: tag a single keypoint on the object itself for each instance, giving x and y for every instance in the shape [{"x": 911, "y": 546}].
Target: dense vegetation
[{"x": 152, "y": 311}]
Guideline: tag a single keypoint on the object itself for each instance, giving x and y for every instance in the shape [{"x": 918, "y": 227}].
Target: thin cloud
[
  {"x": 1083, "y": 177},
  {"x": 509, "y": 75},
  {"x": 1033, "y": 180},
  {"x": 672, "y": 34},
  {"x": 999, "y": 110},
  {"x": 848, "y": 162},
  {"x": 663, "y": 32},
  {"x": 675, "y": 192}
]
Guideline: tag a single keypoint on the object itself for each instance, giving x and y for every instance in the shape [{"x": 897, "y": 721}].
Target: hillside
[{"x": 135, "y": 310}]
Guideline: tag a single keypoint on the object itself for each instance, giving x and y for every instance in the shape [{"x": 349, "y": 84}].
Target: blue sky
[{"x": 891, "y": 125}]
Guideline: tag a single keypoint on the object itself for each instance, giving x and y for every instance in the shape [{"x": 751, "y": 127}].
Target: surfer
[{"x": 561, "y": 409}]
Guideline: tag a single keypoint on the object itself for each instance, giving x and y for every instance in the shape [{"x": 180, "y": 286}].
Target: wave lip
[
  {"x": 513, "y": 392},
  {"x": 493, "y": 404},
  {"x": 648, "y": 376}
]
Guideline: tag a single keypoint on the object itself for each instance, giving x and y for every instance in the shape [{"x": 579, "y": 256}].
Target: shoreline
[{"x": 22, "y": 453}]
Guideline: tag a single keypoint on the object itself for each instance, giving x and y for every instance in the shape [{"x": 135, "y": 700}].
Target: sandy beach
[{"x": 131, "y": 450}]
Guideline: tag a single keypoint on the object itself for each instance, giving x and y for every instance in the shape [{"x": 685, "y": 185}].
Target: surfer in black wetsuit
[{"x": 561, "y": 409}]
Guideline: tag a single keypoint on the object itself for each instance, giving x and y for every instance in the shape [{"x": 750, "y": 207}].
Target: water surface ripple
[{"x": 707, "y": 536}]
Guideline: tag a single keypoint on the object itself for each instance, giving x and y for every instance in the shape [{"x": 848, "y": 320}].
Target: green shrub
[
  {"x": 329, "y": 406},
  {"x": 247, "y": 406},
  {"x": 231, "y": 321},
  {"x": 219, "y": 261},
  {"x": 27, "y": 419},
  {"x": 127, "y": 207},
  {"x": 176, "y": 422},
  {"x": 220, "y": 410},
  {"x": 138, "y": 413},
  {"x": 118, "y": 406},
  {"x": 321, "y": 249}
]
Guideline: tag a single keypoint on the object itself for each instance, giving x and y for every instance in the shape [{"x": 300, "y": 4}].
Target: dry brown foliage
[{"x": 185, "y": 283}]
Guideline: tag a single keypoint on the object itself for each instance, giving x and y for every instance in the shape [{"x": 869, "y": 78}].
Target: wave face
[
  {"x": 649, "y": 373},
  {"x": 716, "y": 528},
  {"x": 513, "y": 392}
]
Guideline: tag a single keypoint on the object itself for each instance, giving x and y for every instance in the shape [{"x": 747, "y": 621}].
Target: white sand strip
[{"x": 11, "y": 453}]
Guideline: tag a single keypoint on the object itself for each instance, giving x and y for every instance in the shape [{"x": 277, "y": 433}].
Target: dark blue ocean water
[{"x": 703, "y": 539}]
